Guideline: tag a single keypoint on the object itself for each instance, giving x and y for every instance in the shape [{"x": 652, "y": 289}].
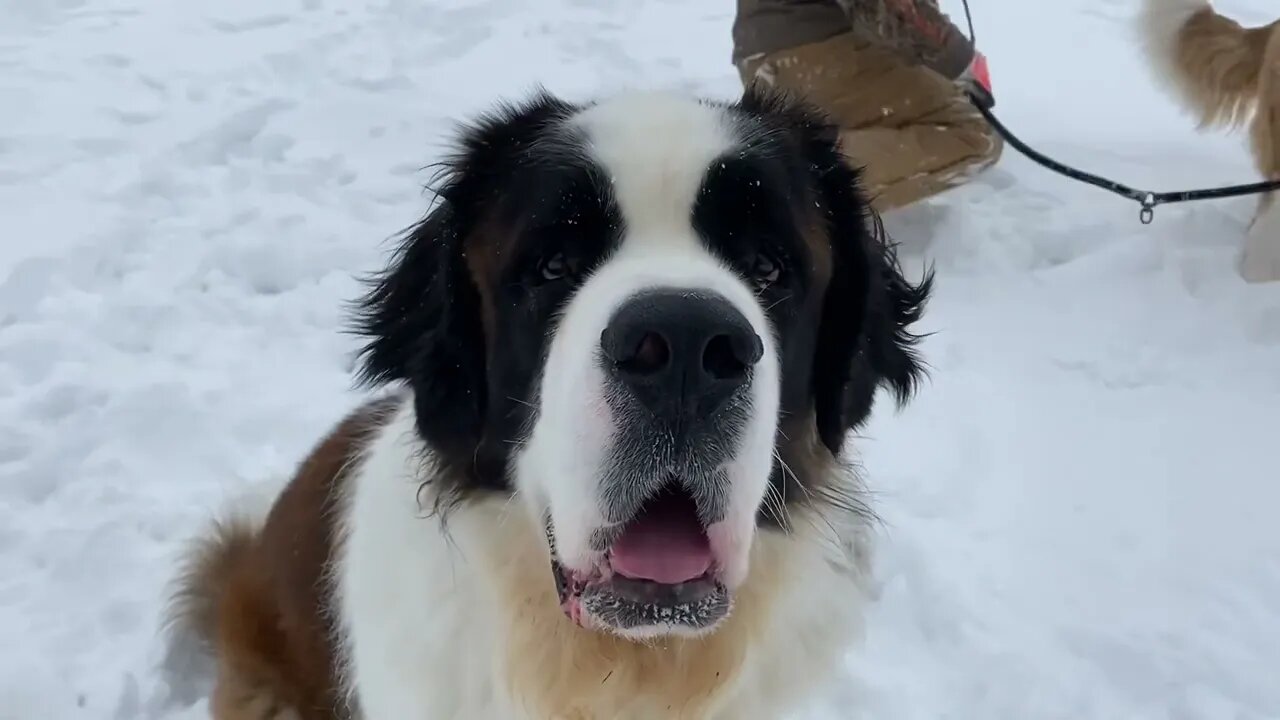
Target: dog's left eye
[
  {"x": 556, "y": 267},
  {"x": 765, "y": 270}
]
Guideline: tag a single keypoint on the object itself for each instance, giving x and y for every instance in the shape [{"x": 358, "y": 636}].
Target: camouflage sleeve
[{"x": 917, "y": 29}]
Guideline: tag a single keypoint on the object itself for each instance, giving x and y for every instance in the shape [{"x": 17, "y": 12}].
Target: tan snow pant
[{"x": 911, "y": 130}]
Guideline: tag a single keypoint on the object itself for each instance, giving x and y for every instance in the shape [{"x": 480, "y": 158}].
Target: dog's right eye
[
  {"x": 555, "y": 268},
  {"x": 766, "y": 269}
]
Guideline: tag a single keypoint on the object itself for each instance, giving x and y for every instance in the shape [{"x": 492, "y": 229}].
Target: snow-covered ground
[{"x": 1079, "y": 508}]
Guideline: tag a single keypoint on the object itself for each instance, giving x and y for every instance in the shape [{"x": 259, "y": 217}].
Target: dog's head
[{"x": 645, "y": 317}]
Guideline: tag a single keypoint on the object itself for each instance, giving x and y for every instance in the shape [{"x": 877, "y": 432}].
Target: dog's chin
[{"x": 657, "y": 578}]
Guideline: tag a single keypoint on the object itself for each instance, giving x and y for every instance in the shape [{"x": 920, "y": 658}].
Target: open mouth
[{"x": 657, "y": 576}]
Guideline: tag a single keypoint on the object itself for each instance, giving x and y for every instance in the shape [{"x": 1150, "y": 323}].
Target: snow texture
[{"x": 1078, "y": 521}]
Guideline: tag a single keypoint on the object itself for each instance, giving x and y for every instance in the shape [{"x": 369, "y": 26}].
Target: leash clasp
[{"x": 1148, "y": 212}]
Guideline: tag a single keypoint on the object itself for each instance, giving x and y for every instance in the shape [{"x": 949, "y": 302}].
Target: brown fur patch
[
  {"x": 819, "y": 244},
  {"x": 258, "y": 599},
  {"x": 481, "y": 252}
]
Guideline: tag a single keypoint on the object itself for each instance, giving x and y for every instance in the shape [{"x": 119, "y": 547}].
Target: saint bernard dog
[{"x": 605, "y": 476}]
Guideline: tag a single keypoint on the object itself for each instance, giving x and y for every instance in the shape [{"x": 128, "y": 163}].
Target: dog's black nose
[{"x": 681, "y": 353}]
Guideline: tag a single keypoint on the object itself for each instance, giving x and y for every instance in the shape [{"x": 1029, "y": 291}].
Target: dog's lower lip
[
  {"x": 625, "y": 604},
  {"x": 647, "y": 591}
]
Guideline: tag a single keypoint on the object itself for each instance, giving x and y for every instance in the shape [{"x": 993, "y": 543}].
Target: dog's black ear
[
  {"x": 864, "y": 339},
  {"x": 422, "y": 317},
  {"x": 885, "y": 352},
  {"x": 422, "y": 324}
]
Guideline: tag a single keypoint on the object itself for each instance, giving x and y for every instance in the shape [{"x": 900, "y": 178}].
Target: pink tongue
[{"x": 665, "y": 545}]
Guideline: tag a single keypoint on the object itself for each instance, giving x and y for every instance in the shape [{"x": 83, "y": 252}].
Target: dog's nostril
[
  {"x": 747, "y": 347},
  {"x": 651, "y": 355},
  {"x": 725, "y": 359}
]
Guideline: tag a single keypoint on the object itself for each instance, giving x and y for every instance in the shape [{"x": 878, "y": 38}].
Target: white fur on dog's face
[{"x": 559, "y": 469}]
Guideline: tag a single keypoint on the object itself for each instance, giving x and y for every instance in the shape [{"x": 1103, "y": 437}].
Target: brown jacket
[
  {"x": 916, "y": 30},
  {"x": 884, "y": 71}
]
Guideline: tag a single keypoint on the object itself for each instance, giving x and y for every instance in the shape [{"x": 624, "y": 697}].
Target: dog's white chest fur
[{"x": 466, "y": 625}]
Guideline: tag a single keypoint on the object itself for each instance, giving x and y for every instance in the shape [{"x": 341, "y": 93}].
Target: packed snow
[{"x": 1079, "y": 507}]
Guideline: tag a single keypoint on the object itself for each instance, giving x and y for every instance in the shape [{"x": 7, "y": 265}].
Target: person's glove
[{"x": 976, "y": 80}]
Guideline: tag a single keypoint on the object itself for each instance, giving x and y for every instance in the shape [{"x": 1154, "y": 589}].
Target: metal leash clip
[
  {"x": 1148, "y": 212},
  {"x": 1148, "y": 200}
]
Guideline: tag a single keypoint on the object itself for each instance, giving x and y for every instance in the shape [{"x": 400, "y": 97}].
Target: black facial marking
[
  {"x": 520, "y": 197},
  {"x": 749, "y": 212},
  {"x": 837, "y": 345}
]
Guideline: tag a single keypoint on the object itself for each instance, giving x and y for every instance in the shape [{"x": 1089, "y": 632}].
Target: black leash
[{"x": 1147, "y": 199}]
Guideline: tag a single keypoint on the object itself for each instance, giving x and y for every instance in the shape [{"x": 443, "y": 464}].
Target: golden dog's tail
[{"x": 1212, "y": 63}]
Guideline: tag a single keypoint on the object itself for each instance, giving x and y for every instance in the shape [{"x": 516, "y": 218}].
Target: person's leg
[
  {"x": 762, "y": 27},
  {"x": 912, "y": 131},
  {"x": 906, "y": 164}
]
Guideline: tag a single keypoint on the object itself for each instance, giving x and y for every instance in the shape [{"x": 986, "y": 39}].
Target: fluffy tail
[
  {"x": 1210, "y": 62},
  {"x": 212, "y": 579},
  {"x": 211, "y": 566}
]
